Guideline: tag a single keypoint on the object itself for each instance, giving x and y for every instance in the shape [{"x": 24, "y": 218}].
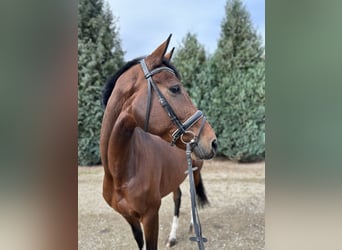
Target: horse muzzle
[{"x": 205, "y": 152}]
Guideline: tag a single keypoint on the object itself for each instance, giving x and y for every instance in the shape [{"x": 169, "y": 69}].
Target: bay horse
[{"x": 140, "y": 165}]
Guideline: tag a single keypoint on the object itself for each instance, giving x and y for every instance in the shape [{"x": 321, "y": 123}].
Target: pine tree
[
  {"x": 190, "y": 60},
  {"x": 237, "y": 81},
  {"x": 239, "y": 46},
  {"x": 99, "y": 55},
  {"x": 237, "y": 111}
]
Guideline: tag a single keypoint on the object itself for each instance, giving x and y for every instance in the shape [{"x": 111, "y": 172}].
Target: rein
[
  {"x": 182, "y": 128},
  {"x": 197, "y": 225},
  {"x": 178, "y": 133}
]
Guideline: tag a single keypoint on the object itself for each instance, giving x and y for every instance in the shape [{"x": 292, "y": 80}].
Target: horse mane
[{"x": 110, "y": 83}]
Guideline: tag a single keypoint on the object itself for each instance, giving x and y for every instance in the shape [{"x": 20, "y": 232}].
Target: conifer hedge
[
  {"x": 99, "y": 56},
  {"x": 229, "y": 86}
]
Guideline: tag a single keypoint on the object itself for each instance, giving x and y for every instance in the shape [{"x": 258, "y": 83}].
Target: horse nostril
[{"x": 214, "y": 145}]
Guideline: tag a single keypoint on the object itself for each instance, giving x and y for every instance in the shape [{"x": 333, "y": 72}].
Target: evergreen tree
[
  {"x": 99, "y": 55},
  {"x": 236, "y": 103},
  {"x": 237, "y": 112},
  {"x": 239, "y": 46},
  {"x": 190, "y": 60}
]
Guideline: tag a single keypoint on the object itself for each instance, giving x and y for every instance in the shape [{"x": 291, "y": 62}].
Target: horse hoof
[{"x": 171, "y": 243}]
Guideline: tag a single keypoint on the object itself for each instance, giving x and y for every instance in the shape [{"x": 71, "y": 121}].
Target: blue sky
[{"x": 146, "y": 24}]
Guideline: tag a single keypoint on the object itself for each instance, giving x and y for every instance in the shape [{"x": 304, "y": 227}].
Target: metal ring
[{"x": 188, "y": 132}]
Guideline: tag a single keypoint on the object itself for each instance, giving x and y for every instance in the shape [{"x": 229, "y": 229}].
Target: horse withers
[{"x": 140, "y": 166}]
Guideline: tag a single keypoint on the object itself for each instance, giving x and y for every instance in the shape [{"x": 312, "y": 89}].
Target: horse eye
[{"x": 175, "y": 89}]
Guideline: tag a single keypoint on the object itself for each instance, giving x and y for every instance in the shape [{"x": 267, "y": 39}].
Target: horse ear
[
  {"x": 156, "y": 57},
  {"x": 169, "y": 55}
]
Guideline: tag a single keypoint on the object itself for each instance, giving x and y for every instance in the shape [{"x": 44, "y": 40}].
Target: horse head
[{"x": 163, "y": 107}]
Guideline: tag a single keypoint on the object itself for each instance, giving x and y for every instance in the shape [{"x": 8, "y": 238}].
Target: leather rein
[{"x": 178, "y": 133}]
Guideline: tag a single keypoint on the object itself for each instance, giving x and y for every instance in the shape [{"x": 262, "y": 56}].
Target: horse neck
[
  {"x": 117, "y": 128},
  {"x": 124, "y": 145}
]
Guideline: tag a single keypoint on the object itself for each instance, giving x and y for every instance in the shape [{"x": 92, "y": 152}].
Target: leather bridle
[{"x": 182, "y": 128}]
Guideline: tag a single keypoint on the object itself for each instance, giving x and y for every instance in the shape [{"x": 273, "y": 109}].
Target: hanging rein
[{"x": 182, "y": 129}]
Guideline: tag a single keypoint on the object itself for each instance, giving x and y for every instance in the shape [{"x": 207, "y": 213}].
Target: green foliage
[
  {"x": 99, "y": 55},
  {"x": 230, "y": 85},
  {"x": 237, "y": 112},
  {"x": 190, "y": 61},
  {"x": 236, "y": 102},
  {"x": 239, "y": 46}
]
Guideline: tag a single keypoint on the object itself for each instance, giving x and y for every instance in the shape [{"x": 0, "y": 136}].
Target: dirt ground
[{"x": 234, "y": 220}]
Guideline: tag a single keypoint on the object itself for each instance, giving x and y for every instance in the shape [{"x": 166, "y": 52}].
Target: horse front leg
[
  {"x": 150, "y": 223},
  {"x": 136, "y": 230},
  {"x": 177, "y": 200}
]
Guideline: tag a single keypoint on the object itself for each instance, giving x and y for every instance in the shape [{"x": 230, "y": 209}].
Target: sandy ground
[{"x": 234, "y": 220}]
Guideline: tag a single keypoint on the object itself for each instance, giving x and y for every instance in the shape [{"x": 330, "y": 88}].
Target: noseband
[{"x": 182, "y": 128}]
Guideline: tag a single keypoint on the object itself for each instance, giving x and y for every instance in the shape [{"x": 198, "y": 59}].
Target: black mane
[{"x": 110, "y": 84}]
